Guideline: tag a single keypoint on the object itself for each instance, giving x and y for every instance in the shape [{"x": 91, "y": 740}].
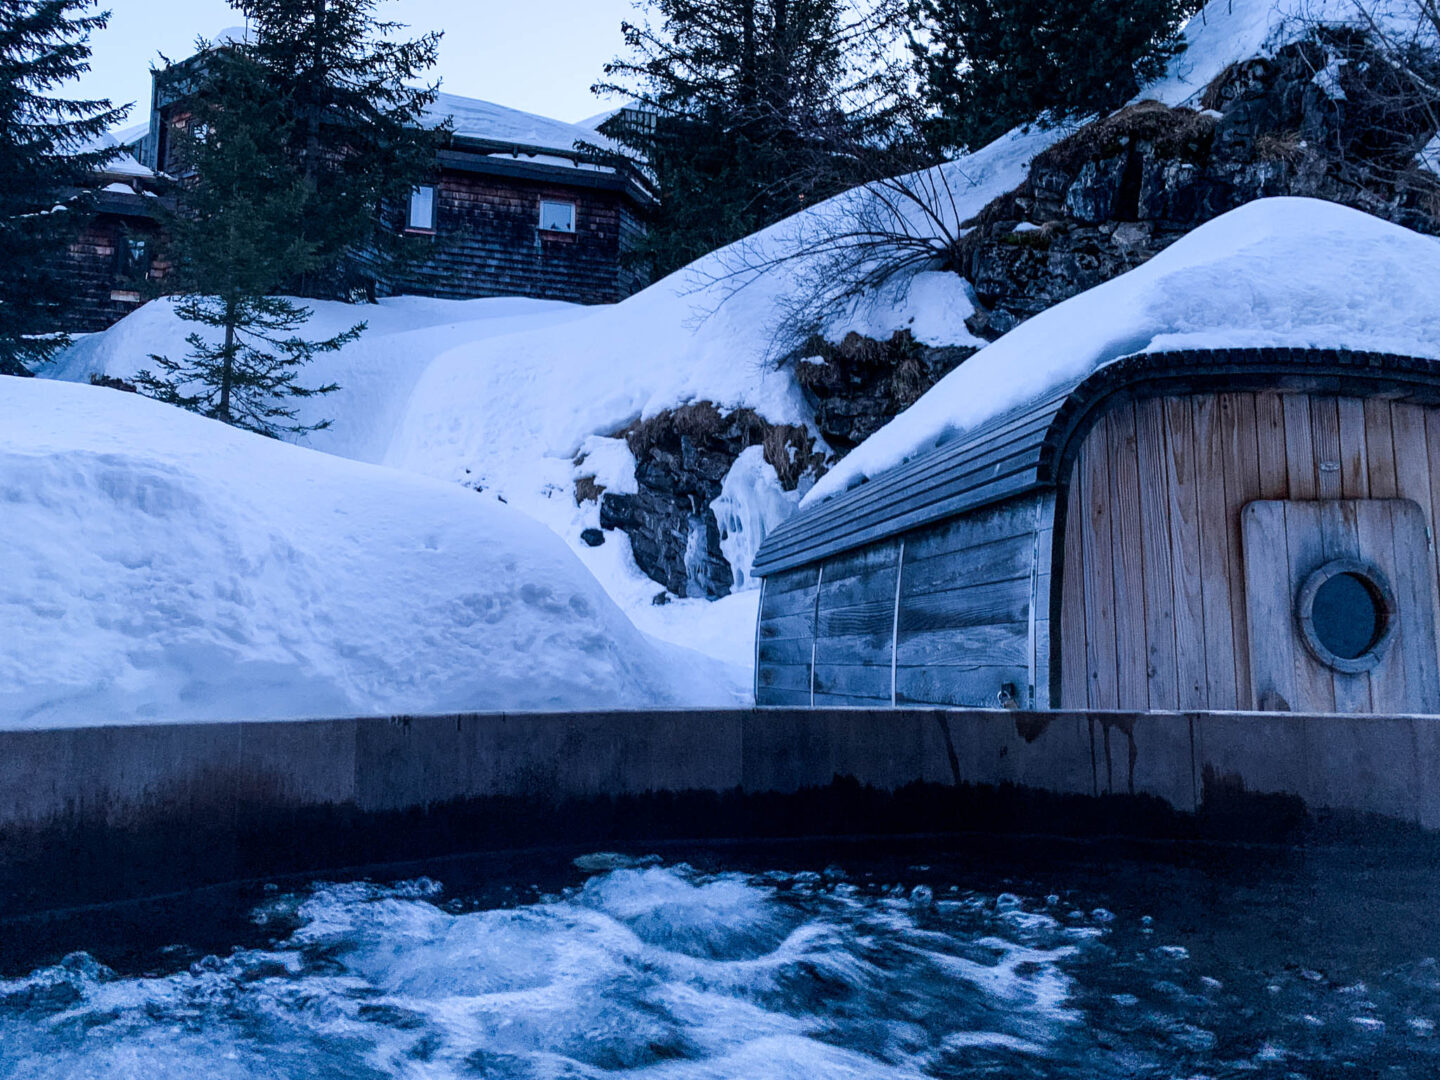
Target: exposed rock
[
  {"x": 682, "y": 457},
  {"x": 859, "y": 385},
  {"x": 593, "y": 537},
  {"x": 1121, "y": 189},
  {"x": 110, "y": 382}
]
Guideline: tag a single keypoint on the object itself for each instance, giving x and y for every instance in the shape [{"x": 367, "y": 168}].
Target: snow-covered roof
[
  {"x": 476, "y": 119},
  {"x": 1276, "y": 273},
  {"x": 123, "y": 164}
]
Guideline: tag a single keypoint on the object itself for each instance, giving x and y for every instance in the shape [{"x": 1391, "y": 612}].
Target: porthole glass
[
  {"x": 1346, "y": 613},
  {"x": 1347, "y": 616}
]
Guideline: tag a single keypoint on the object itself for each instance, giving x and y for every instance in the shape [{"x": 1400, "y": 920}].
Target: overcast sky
[{"x": 538, "y": 55}]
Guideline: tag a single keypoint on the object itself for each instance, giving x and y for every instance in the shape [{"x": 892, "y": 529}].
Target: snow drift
[
  {"x": 160, "y": 566},
  {"x": 1277, "y": 272}
]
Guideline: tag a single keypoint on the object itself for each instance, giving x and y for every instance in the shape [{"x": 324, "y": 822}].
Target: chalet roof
[
  {"x": 1030, "y": 448},
  {"x": 503, "y": 127}
]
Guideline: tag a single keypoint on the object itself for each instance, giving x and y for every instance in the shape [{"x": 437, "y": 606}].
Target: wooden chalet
[
  {"x": 519, "y": 204},
  {"x": 1217, "y": 530},
  {"x": 111, "y": 264}
]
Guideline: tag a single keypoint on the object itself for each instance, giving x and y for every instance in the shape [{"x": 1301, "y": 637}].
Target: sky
[{"x": 538, "y": 55}]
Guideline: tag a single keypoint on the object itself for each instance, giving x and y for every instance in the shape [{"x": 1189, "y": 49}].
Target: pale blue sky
[{"x": 537, "y": 55}]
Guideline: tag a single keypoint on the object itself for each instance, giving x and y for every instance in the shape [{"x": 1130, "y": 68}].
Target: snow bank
[
  {"x": 1277, "y": 272},
  {"x": 159, "y": 566},
  {"x": 375, "y": 374}
]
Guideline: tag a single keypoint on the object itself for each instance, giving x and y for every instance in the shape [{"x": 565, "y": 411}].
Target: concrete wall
[{"x": 96, "y": 814}]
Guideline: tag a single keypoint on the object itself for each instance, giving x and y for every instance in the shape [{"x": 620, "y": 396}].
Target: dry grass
[
  {"x": 789, "y": 449},
  {"x": 587, "y": 490},
  {"x": 1174, "y": 133}
]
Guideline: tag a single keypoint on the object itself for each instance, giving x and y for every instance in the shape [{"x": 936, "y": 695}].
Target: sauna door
[{"x": 1341, "y": 606}]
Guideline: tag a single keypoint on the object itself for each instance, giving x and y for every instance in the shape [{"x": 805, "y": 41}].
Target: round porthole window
[{"x": 1347, "y": 615}]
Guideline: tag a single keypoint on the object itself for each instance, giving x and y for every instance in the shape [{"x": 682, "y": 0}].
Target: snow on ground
[
  {"x": 163, "y": 567},
  {"x": 1277, "y": 272},
  {"x": 376, "y": 374},
  {"x": 507, "y": 395}
]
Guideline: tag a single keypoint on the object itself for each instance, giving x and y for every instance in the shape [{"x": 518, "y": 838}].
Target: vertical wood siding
[{"x": 1152, "y": 594}]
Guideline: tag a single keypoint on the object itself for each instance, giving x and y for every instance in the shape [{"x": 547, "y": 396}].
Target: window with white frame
[
  {"x": 557, "y": 216},
  {"x": 422, "y": 209}
]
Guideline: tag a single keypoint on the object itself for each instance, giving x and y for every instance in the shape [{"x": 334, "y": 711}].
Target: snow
[
  {"x": 507, "y": 395},
  {"x": 164, "y": 567},
  {"x": 123, "y": 163},
  {"x": 476, "y": 119},
  {"x": 932, "y": 305},
  {"x": 376, "y": 374},
  {"x": 1429, "y": 158},
  {"x": 504, "y": 395},
  {"x": 1276, "y": 272}
]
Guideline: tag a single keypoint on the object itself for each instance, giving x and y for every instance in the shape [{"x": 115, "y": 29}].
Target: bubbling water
[{"x": 664, "y": 972}]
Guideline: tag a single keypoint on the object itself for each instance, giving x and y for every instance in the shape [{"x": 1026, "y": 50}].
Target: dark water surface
[{"x": 914, "y": 959}]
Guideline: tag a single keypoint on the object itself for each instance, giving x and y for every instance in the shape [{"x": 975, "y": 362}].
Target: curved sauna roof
[{"x": 1030, "y": 448}]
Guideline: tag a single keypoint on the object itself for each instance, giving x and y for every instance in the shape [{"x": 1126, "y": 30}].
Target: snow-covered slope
[
  {"x": 159, "y": 566},
  {"x": 375, "y": 374},
  {"x": 507, "y": 395},
  {"x": 1277, "y": 272}
]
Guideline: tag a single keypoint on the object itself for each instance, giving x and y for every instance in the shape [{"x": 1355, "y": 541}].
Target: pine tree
[
  {"x": 236, "y": 236},
  {"x": 360, "y": 139},
  {"x": 987, "y": 66},
  {"x": 748, "y": 110},
  {"x": 43, "y": 164}
]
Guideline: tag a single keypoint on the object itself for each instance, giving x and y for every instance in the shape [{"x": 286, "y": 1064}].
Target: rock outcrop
[
  {"x": 682, "y": 458},
  {"x": 859, "y": 385},
  {"x": 1319, "y": 119}
]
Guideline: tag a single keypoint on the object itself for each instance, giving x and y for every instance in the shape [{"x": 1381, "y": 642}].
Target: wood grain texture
[
  {"x": 488, "y": 242},
  {"x": 1209, "y": 480},
  {"x": 1144, "y": 517},
  {"x": 1187, "y": 577},
  {"x": 1152, "y": 444},
  {"x": 1131, "y": 661}
]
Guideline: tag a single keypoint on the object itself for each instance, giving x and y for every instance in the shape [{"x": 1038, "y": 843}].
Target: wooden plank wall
[
  {"x": 785, "y": 650},
  {"x": 488, "y": 243},
  {"x": 966, "y": 608},
  {"x": 943, "y": 616},
  {"x": 1152, "y": 588},
  {"x": 90, "y": 273}
]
